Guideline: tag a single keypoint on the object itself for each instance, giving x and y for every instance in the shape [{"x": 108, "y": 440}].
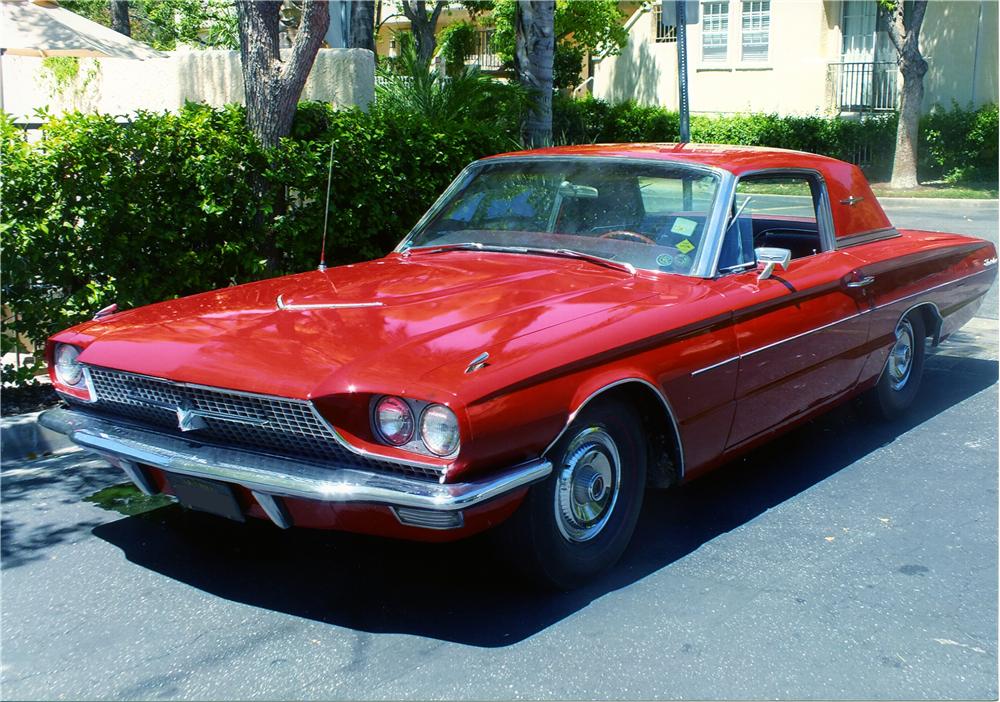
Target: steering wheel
[{"x": 626, "y": 234}]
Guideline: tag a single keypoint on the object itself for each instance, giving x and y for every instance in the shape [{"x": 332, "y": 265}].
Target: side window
[{"x": 777, "y": 211}]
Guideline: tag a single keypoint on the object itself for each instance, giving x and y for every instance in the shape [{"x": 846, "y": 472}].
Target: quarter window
[
  {"x": 774, "y": 210},
  {"x": 715, "y": 31},
  {"x": 756, "y": 29}
]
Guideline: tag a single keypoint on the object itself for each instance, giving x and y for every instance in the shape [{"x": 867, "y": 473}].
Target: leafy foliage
[
  {"x": 458, "y": 42},
  {"x": 411, "y": 87},
  {"x": 164, "y": 23},
  {"x": 960, "y": 145},
  {"x": 592, "y": 25}
]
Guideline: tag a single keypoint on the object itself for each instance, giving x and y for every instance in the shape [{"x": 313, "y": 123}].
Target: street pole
[{"x": 682, "y": 70}]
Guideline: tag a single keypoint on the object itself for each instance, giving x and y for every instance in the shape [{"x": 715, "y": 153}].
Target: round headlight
[
  {"x": 394, "y": 420},
  {"x": 439, "y": 430},
  {"x": 69, "y": 371}
]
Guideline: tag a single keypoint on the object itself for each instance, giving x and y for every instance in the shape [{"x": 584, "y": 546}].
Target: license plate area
[{"x": 206, "y": 496}]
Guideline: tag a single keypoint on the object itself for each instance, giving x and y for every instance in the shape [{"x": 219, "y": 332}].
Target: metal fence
[
  {"x": 485, "y": 57},
  {"x": 865, "y": 86}
]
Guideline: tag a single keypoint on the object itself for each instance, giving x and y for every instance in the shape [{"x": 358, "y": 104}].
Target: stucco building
[{"x": 799, "y": 57}]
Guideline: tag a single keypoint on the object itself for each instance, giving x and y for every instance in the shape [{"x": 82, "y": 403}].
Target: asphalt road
[{"x": 849, "y": 559}]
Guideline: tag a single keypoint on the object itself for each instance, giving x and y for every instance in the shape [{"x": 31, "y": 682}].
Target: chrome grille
[{"x": 258, "y": 422}]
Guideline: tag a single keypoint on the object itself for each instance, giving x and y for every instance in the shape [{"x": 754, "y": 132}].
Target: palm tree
[{"x": 533, "y": 56}]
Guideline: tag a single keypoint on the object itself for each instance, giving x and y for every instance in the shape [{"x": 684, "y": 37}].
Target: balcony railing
[
  {"x": 485, "y": 57},
  {"x": 865, "y": 86}
]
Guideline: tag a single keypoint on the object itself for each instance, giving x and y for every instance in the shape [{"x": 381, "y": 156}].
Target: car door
[{"x": 801, "y": 335}]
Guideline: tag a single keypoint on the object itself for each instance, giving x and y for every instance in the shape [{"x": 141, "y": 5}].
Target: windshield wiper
[
  {"x": 599, "y": 260},
  {"x": 565, "y": 253}
]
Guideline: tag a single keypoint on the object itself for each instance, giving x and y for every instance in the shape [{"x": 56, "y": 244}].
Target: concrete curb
[{"x": 21, "y": 436}]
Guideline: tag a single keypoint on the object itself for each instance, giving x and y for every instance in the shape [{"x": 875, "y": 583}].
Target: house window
[
  {"x": 715, "y": 31},
  {"x": 665, "y": 33},
  {"x": 756, "y": 28}
]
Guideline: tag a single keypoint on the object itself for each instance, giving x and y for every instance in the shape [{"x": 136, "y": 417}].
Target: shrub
[{"x": 960, "y": 145}]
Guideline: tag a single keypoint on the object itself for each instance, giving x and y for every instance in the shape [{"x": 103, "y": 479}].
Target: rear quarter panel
[{"x": 949, "y": 271}]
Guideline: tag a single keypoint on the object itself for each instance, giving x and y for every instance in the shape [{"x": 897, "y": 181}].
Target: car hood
[{"x": 396, "y": 319}]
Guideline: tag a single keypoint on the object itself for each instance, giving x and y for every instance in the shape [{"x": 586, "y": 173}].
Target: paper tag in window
[
  {"x": 685, "y": 246},
  {"x": 684, "y": 227}
]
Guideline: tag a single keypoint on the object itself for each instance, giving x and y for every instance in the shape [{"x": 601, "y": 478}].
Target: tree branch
[{"x": 312, "y": 29}]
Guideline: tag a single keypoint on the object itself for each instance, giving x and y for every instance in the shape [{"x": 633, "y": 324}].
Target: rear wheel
[
  {"x": 900, "y": 380},
  {"x": 578, "y": 521}
]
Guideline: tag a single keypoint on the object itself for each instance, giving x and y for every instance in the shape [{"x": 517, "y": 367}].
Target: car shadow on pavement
[{"x": 461, "y": 592}]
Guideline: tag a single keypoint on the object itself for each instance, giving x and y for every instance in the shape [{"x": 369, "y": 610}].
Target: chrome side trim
[
  {"x": 281, "y": 305},
  {"x": 847, "y": 319},
  {"x": 869, "y": 237},
  {"x": 282, "y": 477},
  {"x": 800, "y": 335},
  {"x": 935, "y": 287},
  {"x": 714, "y": 365},
  {"x": 659, "y": 393}
]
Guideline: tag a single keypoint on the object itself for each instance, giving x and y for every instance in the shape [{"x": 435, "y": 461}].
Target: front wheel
[
  {"x": 900, "y": 380},
  {"x": 578, "y": 521}
]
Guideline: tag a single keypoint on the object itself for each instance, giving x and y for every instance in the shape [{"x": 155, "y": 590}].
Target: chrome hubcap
[
  {"x": 587, "y": 485},
  {"x": 901, "y": 356}
]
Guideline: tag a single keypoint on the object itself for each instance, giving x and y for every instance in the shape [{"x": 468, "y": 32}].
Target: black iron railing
[
  {"x": 485, "y": 57},
  {"x": 865, "y": 86}
]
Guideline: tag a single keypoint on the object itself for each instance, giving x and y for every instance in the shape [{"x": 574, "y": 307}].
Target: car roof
[
  {"x": 853, "y": 206},
  {"x": 733, "y": 158}
]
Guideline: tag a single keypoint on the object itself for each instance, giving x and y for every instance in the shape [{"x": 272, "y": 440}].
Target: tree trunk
[
  {"x": 273, "y": 85},
  {"x": 362, "y": 33},
  {"x": 905, "y": 36},
  {"x": 533, "y": 57},
  {"x": 119, "y": 17},
  {"x": 423, "y": 25}
]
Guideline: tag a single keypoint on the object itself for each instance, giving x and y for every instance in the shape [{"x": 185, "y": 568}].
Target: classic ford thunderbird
[{"x": 562, "y": 330}]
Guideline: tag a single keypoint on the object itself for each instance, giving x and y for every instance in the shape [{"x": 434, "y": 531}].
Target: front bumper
[{"x": 269, "y": 477}]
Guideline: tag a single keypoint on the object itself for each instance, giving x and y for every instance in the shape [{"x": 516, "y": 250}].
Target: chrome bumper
[{"x": 268, "y": 477}]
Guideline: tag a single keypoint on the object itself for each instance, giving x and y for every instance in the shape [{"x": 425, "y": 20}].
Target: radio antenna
[{"x": 326, "y": 210}]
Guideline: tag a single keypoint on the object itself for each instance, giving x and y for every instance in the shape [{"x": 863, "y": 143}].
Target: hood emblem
[
  {"x": 189, "y": 419},
  {"x": 478, "y": 362}
]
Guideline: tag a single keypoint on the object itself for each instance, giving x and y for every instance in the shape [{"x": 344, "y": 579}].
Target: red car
[{"x": 563, "y": 329}]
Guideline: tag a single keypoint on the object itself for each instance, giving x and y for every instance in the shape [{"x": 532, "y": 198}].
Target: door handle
[{"x": 862, "y": 283}]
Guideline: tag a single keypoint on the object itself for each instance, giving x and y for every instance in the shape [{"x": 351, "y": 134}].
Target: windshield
[{"x": 649, "y": 215}]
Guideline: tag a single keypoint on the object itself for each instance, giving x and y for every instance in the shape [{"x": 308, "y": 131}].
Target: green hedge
[
  {"x": 97, "y": 211},
  {"x": 959, "y": 145},
  {"x": 956, "y": 146}
]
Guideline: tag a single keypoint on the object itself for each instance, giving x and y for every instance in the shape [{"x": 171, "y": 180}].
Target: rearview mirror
[
  {"x": 771, "y": 257},
  {"x": 567, "y": 189}
]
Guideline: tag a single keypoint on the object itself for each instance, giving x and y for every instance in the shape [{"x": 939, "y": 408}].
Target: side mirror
[{"x": 771, "y": 257}]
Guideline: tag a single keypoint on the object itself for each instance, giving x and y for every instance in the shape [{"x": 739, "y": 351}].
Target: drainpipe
[{"x": 975, "y": 54}]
